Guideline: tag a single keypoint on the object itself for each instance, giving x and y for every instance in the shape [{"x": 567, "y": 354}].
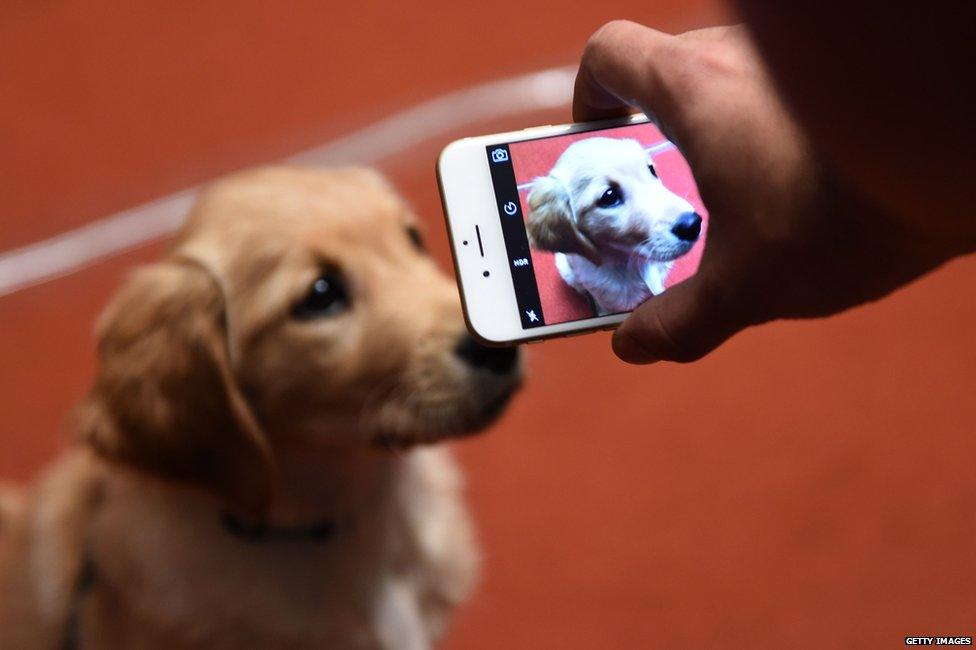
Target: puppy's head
[
  {"x": 297, "y": 306},
  {"x": 603, "y": 199}
]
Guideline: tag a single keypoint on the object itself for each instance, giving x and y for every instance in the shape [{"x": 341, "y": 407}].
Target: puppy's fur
[
  {"x": 619, "y": 254},
  {"x": 229, "y": 391}
]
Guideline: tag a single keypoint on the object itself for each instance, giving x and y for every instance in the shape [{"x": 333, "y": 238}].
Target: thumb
[{"x": 684, "y": 323}]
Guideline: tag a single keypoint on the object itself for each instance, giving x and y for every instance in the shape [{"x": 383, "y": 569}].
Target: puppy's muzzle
[
  {"x": 687, "y": 227},
  {"x": 500, "y": 361}
]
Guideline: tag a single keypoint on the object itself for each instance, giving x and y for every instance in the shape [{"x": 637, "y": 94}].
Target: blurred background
[{"x": 809, "y": 484}]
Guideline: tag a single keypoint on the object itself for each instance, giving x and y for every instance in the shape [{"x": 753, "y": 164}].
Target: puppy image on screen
[
  {"x": 613, "y": 225},
  {"x": 255, "y": 465}
]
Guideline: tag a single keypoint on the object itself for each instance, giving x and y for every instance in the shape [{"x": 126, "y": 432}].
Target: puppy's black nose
[
  {"x": 688, "y": 227},
  {"x": 496, "y": 360}
]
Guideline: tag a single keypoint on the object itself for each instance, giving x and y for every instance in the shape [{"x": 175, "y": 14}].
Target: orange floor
[{"x": 810, "y": 485}]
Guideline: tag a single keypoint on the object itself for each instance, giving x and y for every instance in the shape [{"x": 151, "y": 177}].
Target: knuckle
[
  {"x": 612, "y": 28},
  {"x": 716, "y": 59},
  {"x": 607, "y": 34}
]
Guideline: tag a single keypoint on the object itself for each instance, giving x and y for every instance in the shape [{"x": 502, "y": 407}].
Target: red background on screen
[{"x": 534, "y": 158}]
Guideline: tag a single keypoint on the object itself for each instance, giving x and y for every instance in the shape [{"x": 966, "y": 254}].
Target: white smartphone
[{"x": 560, "y": 230}]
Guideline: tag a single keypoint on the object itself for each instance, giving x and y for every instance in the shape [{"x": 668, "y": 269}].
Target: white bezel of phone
[{"x": 468, "y": 194}]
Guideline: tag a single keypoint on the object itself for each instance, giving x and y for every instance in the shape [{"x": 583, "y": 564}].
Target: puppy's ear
[
  {"x": 165, "y": 399},
  {"x": 551, "y": 225}
]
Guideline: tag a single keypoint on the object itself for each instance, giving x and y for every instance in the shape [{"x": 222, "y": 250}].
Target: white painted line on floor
[{"x": 76, "y": 249}]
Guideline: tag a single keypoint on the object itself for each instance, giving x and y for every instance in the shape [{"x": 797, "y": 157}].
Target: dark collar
[
  {"x": 84, "y": 582},
  {"x": 262, "y": 532}
]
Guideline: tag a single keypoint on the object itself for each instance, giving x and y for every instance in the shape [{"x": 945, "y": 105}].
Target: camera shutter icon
[{"x": 499, "y": 155}]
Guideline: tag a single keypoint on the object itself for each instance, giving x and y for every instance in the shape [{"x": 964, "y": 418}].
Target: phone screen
[{"x": 595, "y": 222}]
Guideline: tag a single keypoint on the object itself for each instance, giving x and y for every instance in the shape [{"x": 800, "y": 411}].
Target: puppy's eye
[
  {"x": 418, "y": 242},
  {"x": 612, "y": 197},
  {"x": 653, "y": 170},
  {"x": 326, "y": 297}
]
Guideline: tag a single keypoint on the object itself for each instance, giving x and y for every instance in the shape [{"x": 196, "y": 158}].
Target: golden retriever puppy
[
  {"x": 250, "y": 472},
  {"x": 615, "y": 228}
]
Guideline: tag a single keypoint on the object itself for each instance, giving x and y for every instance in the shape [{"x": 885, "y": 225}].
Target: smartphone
[{"x": 561, "y": 230}]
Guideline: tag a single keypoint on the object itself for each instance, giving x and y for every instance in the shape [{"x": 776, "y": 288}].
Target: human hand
[{"x": 785, "y": 239}]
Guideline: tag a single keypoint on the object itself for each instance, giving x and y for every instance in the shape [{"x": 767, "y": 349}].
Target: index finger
[{"x": 622, "y": 69}]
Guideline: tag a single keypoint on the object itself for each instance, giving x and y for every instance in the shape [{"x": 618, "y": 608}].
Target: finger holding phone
[{"x": 787, "y": 239}]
